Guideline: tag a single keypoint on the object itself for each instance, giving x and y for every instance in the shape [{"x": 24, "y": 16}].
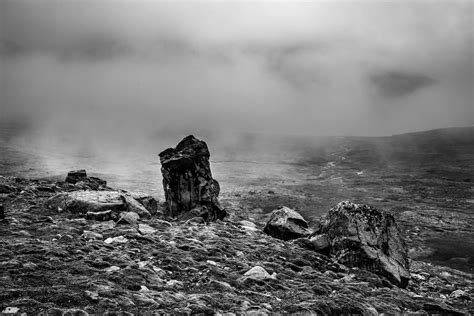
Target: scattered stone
[
  {"x": 258, "y": 273},
  {"x": 320, "y": 243},
  {"x": 149, "y": 202},
  {"x": 92, "y": 235},
  {"x": 363, "y": 237},
  {"x": 93, "y": 296},
  {"x": 130, "y": 218},
  {"x": 195, "y": 220},
  {"x": 248, "y": 226},
  {"x": 146, "y": 229},
  {"x": 460, "y": 294},
  {"x": 100, "y": 216},
  {"x": 132, "y": 205},
  {"x": 112, "y": 269},
  {"x": 286, "y": 224},
  {"x": 220, "y": 285},
  {"x": 187, "y": 179},
  {"x": 118, "y": 239},
  {"x": 11, "y": 310}
]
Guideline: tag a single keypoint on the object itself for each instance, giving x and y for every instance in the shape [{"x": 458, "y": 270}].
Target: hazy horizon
[{"x": 126, "y": 69}]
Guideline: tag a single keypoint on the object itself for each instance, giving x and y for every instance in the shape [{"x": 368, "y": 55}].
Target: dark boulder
[
  {"x": 363, "y": 237},
  {"x": 286, "y": 224},
  {"x": 81, "y": 181},
  {"x": 5, "y": 188},
  {"x": 2, "y": 212},
  {"x": 76, "y": 176},
  {"x": 187, "y": 180}
]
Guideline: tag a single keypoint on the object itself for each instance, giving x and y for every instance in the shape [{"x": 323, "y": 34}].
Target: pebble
[
  {"x": 92, "y": 235},
  {"x": 118, "y": 239}
]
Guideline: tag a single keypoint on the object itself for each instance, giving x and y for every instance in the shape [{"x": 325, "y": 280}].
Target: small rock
[
  {"x": 248, "y": 226},
  {"x": 321, "y": 243},
  {"x": 286, "y": 224},
  {"x": 220, "y": 285},
  {"x": 112, "y": 269},
  {"x": 174, "y": 284},
  {"x": 92, "y": 235},
  {"x": 132, "y": 205},
  {"x": 460, "y": 294},
  {"x": 11, "y": 310},
  {"x": 128, "y": 218},
  {"x": 142, "y": 299},
  {"x": 145, "y": 229},
  {"x": 93, "y": 296},
  {"x": 195, "y": 220},
  {"x": 150, "y": 203},
  {"x": 118, "y": 239},
  {"x": 258, "y": 273},
  {"x": 100, "y": 216}
]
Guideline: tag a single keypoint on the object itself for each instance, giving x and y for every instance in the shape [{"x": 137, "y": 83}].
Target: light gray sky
[{"x": 365, "y": 67}]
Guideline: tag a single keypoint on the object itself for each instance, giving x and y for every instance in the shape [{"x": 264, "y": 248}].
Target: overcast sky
[{"x": 366, "y": 67}]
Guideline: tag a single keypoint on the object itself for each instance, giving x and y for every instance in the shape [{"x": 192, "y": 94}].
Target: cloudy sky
[{"x": 361, "y": 67}]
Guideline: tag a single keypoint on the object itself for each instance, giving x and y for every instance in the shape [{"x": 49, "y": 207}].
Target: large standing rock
[
  {"x": 363, "y": 237},
  {"x": 188, "y": 182},
  {"x": 286, "y": 224}
]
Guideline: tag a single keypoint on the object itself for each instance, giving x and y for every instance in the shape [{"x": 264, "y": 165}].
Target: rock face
[
  {"x": 286, "y": 224},
  {"x": 363, "y": 237},
  {"x": 188, "y": 182}
]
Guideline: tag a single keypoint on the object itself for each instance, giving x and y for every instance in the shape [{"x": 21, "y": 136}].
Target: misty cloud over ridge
[{"x": 337, "y": 68}]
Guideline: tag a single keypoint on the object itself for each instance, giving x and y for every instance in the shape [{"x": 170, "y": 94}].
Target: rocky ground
[{"x": 62, "y": 263}]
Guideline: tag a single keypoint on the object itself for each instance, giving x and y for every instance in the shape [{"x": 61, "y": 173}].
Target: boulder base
[
  {"x": 286, "y": 224},
  {"x": 363, "y": 237},
  {"x": 187, "y": 180}
]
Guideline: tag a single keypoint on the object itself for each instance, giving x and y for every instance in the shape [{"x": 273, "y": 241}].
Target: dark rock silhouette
[
  {"x": 286, "y": 224},
  {"x": 76, "y": 176},
  {"x": 363, "y": 237},
  {"x": 187, "y": 181},
  {"x": 81, "y": 181}
]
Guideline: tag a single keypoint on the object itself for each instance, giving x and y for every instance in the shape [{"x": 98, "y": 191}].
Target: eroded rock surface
[
  {"x": 90, "y": 202},
  {"x": 286, "y": 224},
  {"x": 188, "y": 182},
  {"x": 363, "y": 237}
]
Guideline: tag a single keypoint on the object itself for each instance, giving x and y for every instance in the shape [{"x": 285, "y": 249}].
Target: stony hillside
[{"x": 67, "y": 263}]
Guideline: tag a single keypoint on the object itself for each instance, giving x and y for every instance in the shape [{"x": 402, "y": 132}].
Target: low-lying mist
[{"x": 112, "y": 83}]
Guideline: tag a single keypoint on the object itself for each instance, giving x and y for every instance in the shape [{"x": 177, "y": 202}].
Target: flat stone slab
[{"x": 97, "y": 201}]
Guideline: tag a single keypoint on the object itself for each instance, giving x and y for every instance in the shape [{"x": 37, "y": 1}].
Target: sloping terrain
[{"x": 59, "y": 262}]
